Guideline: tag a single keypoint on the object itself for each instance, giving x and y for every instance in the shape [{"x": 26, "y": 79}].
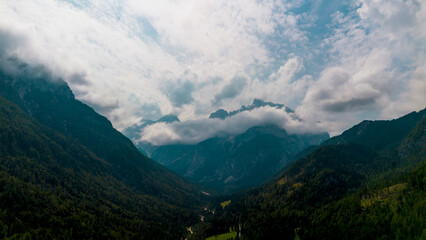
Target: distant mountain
[
  {"x": 367, "y": 183},
  {"x": 67, "y": 173},
  {"x": 233, "y": 162},
  {"x": 257, "y": 103},
  {"x": 241, "y": 161},
  {"x": 134, "y": 132}
]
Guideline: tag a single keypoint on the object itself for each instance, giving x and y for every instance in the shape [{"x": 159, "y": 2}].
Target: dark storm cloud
[
  {"x": 337, "y": 91},
  {"x": 180, "y": 93},
  {"x": 352, "y": 104},
  {"x": 231, "y": 90},
  {"x": 78, "y": 79}
]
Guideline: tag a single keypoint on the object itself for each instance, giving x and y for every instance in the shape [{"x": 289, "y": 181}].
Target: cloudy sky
[{"x": 333, "y": 62}]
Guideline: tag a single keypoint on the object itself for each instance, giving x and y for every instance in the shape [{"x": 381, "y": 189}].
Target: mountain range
[
  {"x": 230, "y": 162},
  {"x": 257, "y": 103}
]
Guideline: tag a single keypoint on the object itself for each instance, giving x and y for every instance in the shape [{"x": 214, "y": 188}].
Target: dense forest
[
  {"x": 231, "y": 163},
  {"x": 367, "y": 183},
  {"x": 66, "y": 173}
]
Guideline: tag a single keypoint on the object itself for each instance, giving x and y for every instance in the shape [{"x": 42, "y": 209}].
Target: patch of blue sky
[
  {"x": 316, "y": 21},
  {"x": 147, "y": 30},
  {"x": 78, "y": 3},
  {"x": 107, "y": 11}
]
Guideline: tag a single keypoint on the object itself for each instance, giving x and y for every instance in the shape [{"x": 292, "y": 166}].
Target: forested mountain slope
[
  {"x": 341, "y": 191},
  {"x": 228, "y": 164},
  {"x": 66, "y": 172},
  {"x": 51, "y": 102},
  {"x": 380, "y": 134}
]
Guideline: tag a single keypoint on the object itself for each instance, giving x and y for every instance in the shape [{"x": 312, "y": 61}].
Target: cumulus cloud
[
  {"x": 231, "y": 90},
  {"x": 335, "y": 62},
  {"x": 338, "y": 91},
  {"x": 373, "y": 67},
  {"x": 128, "y": 47},
  {"x": 414, "y": 98},
  {"x": 195, "y": 131},
  {"x": 282, "y": 86},
  {"x": 180, "y": 93}
]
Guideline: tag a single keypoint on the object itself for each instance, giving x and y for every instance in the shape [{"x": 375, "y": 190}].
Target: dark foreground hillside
[
  {"x": 360, "y": 185},
  {"x": 66, "y": 173}
]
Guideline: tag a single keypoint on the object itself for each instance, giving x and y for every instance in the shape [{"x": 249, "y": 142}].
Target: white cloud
[
  {"x": 68, "y": 40},
  {"x": 375, "y": 56},
  {"x": 141, "y": 59},
  {"x": 194, "y": 131},
  {"x": 129, "y": 48},
  {"x": 414, "y": 98},
  {"x": 281, "y": 86}
]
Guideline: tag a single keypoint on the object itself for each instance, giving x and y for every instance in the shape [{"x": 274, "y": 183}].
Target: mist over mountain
[
  {"x": 332, "y": 61},
  {"x": 195, "y": 120},
  {"x": 231, "y": 161},
  {"x": 219, "y": 124},
  {"x": 257, "y": 103},
  {"x": 133, "y": 132}
]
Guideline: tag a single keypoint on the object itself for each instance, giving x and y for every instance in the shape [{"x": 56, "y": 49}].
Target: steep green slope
[
  {"x": 53, "y": 185},
  {"x": 378, "y": 134},
  {"x": 56, "y": 151},
  {"x": 335, "y": 188},
  {"x": 395, "y": 209},
  {"x": 50, "y": 101}
]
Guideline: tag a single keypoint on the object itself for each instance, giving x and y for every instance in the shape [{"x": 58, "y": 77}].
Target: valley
[
  {"x": 213, "y": 120},
  {"x": 64, "y": 159}
]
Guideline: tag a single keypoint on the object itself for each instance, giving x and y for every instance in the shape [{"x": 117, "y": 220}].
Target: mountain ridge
[
  {"x": 231, "y": 163},
  {"x": 257, "y": 103},
  {"x": 329, "y": 190},
  {"x": 57, "y": 108},
  {"x": 63, "y": 150},
  {"x": 222, "y": 162}
]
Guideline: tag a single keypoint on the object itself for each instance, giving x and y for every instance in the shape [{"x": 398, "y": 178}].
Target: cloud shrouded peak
[
  {"x": 334, "y": 62},
  {"x": 221, "y": 123},
  {"x": 257, "y": 103}
]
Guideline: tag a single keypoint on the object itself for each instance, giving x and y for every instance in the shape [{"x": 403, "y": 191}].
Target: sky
[{"x": 335, "y": 63}]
